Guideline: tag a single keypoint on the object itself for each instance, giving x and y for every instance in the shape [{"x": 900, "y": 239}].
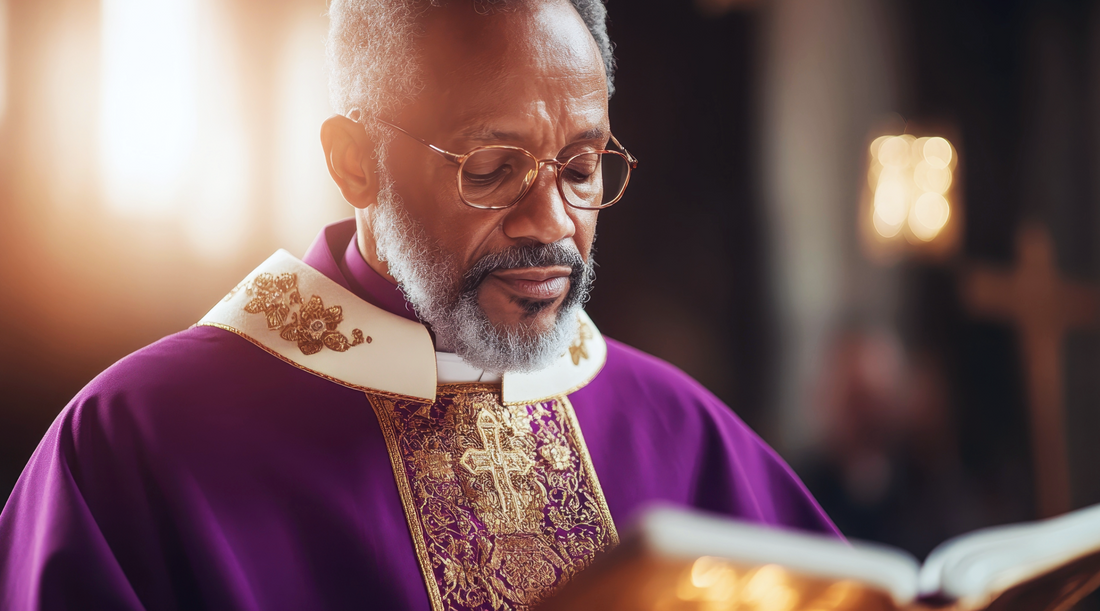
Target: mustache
[{"x": 531, "y": 255}]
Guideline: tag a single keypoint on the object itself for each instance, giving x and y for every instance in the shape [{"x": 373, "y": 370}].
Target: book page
[{"x": 976, "y": 567}]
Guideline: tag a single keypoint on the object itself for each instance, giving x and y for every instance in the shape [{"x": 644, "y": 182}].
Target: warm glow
[
  {"x": 884, "y": 228},
  {"x": 937, "y": 152},
  {"x": 214, "y": 209},
  {"x": 305, "y": 198},
  {"x": 3, "y": 57},
  {"x": 707, "y": 571},
  {"x": 173, "y": 143},
  {"x": 894, "y": 152},
  {"x": 909, "y": 179},
  {"x": 876, "y": 144},
  {"x": 928, "y": 216},
  {"x": 873, "y": 173},
  {"x": 840, "y": 595},
  {"x": 714, "y": 583},
  {"x": 149, "y": 106},
  {"x": 768, "y": 589},
  {"x": 891, "y": 202},
  {"x": 710, "y": 579},
  {"x": 931, "y": 179}
]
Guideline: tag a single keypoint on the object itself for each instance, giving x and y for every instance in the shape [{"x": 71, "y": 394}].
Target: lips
[{"x": 535, "y": 283}]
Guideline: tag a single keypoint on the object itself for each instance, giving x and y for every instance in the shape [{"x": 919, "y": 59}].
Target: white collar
[
  {"x": 451, "y": 369},
  {"x": 354, "y": 343}
]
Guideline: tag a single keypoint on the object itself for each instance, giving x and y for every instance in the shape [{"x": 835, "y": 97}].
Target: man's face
[{"x": 530, "y": 77}]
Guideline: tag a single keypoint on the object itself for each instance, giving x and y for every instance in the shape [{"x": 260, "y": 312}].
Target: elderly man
[{"x": 418, "y": 414}]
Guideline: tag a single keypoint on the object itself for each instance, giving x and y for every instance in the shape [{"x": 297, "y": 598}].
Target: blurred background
[{"x": 869, "y": 226}]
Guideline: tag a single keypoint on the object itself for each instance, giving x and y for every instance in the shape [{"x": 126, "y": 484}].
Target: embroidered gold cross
[{"x": 498, "y": 463}]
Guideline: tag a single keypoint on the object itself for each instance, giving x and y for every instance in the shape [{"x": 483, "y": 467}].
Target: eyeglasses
[{"x": 495, "y": 177}]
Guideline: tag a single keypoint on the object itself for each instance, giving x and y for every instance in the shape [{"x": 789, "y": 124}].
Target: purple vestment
[{"x": 202, "y": 472}]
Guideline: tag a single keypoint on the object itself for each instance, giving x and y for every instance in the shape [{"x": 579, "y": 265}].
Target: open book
[{"x": 679, "y": 560}]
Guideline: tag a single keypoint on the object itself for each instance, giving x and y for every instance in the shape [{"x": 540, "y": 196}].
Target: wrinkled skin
[{"x": 530, "y": 77}]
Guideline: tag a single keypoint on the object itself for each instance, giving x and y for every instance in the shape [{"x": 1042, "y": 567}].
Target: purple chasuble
[{"x": 204, "y": 472}]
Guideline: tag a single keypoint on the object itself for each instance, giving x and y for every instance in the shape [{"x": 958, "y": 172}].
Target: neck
[{"x": 368, "y": 247}]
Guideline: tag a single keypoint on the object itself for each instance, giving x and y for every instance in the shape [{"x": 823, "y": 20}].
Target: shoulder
[
  {"x": 657, "y": 384},
  {"x": 199, "y": 362},
  {"x": 653, "y": 400},
  {"x": 175, "y": 363},
  {"x": 187, "y": 387},
  {"x": 659, "y": 435}
]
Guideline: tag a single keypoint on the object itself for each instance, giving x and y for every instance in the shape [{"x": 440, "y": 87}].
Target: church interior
[{"x": 868, "y": 226}]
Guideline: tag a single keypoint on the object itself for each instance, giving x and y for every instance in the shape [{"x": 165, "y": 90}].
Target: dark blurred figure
[{"x": 887, "y": 468}]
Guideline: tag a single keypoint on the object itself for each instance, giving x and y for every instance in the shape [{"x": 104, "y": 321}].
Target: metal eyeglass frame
[{"x": 529, "y": 180}]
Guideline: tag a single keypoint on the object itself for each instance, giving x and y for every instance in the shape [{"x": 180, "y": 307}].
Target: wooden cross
[
  {"x": 1043, "y": 306},
  {"x": 498, "y": 463}
]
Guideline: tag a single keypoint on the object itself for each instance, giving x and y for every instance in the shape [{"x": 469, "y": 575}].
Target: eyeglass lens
[{"x": 495, "y": 177}]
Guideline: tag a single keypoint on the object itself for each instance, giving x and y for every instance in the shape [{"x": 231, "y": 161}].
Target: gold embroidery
[
  {"x": 528, "y": 565},
  {"x": 499, "y": 465},
  {"x": 437, "y": 464},
  {"x": 502, "y": 501},
  {"x": 313, "y": 326},
  {"x": 579, "y": 349},
  {"x": 273, "y": 296},
  {"x": 559, "y": 457}
]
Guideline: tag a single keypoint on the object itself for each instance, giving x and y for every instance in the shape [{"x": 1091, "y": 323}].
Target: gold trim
[
  {"x": 467, "y": 387},
  {"x": 586, "y": 459},
  {"x": 405, "y": 492},
  {"x": 260, "y": 345}
]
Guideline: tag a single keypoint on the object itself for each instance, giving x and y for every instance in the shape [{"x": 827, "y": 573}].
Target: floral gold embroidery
[
  {"x": 579, "y": 349},
  {"x": 503, "y": 507},
  {"x": 312, "y": 326},
  {"x": 273, "y": 296}
]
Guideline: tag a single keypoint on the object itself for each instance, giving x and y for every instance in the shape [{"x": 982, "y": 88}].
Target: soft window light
[
  {"x": 305, "y": 196},
  {"x": 3, "y": 58},
  {"x": 213, "y": 211},
  {"x": 148, "y": 111}
]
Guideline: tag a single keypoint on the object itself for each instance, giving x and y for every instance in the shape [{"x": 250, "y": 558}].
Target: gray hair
[{"x": 372, "y": 63}]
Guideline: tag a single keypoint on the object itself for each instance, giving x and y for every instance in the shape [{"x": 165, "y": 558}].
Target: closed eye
[{"x": 488, "y": 178}]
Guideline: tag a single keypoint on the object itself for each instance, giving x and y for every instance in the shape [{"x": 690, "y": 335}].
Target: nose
[{"x": 541, "y": 215}]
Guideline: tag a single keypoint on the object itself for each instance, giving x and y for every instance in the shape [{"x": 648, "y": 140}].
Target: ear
[{"x": 351, "y": 162}]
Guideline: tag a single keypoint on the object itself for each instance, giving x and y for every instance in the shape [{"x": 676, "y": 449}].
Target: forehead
[{"x": 532, "y": 62}]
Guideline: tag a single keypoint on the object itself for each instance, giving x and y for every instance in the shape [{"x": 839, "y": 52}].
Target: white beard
[{"x": 433, "y": 283}]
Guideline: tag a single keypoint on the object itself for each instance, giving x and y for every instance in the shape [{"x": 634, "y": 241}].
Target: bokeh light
[
  {"x": 928, "y": 215},
  {"x": 895, "y": 152},
  {"x": 938, "y": 153},
  {"x": 931, "y": 179},
  {"x": 177, "y": 144},
  {"x": 910, "y": 179},
  {"x": 149, "y": 104},
  {"x": 716, "y": 583}
]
